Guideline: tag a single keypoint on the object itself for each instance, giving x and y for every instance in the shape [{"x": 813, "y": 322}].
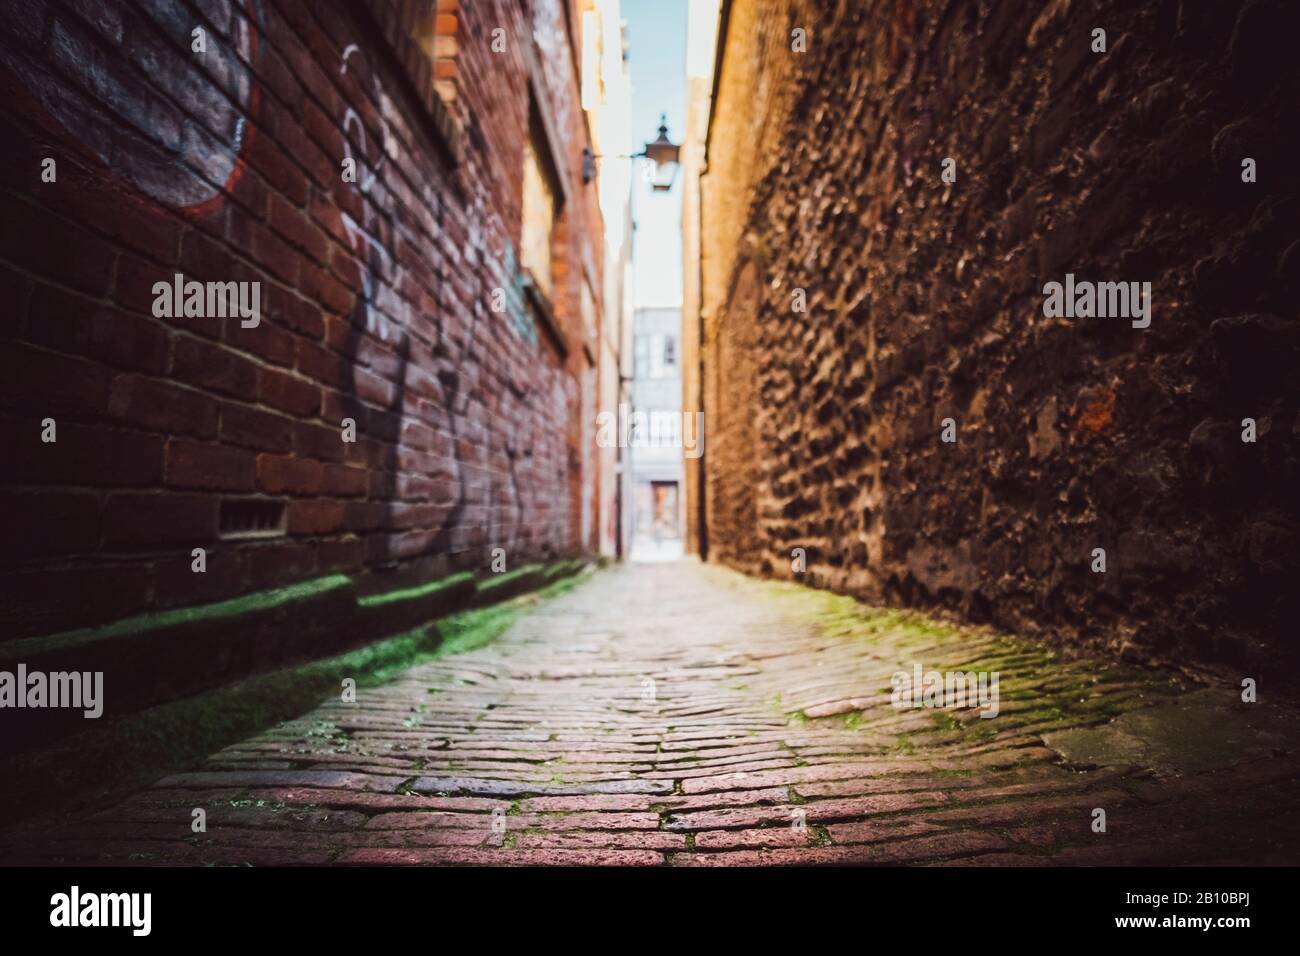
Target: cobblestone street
[{"x": 688, "y": 715}]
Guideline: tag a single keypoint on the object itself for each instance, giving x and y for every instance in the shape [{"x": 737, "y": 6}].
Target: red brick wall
[{"x": 376, "y": 298}]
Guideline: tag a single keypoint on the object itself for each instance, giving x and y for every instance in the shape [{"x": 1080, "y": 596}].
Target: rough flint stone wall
[{"x": 925, "y": 303}]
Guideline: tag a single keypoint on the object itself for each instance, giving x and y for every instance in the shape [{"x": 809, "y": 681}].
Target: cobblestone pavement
[{"x": 686, "y": 715}]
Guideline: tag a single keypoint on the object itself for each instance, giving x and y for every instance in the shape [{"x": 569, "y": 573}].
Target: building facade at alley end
[
  {"x": 655, "y": 458},
  {"x": 880, "y": 197},
  {"x": 437, "y": 279}
]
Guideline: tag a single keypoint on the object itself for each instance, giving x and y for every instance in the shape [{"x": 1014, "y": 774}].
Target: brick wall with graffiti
[{"x": 151, "y": 139}]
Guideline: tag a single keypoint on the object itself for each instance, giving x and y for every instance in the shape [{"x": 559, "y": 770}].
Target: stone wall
[{"x": 853, "y": 301}]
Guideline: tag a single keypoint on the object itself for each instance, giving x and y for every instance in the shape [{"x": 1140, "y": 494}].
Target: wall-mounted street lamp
[
  {"x": 664, "y": 154},
  {"x": 662, "y": 151}
]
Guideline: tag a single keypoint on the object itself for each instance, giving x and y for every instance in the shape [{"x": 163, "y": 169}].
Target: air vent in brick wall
[{"x": 251, "y": 518}]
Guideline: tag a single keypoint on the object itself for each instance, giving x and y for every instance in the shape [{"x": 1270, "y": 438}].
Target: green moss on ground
[
  {"x": 152, "y": 743},
  {"x": 421, "y": 591},
  {"x": 229, "y": 610},
  {"x": 945, "y": 721},
  {"x": 1063, "y": 692},
  {"x": 499, "y": 582}
]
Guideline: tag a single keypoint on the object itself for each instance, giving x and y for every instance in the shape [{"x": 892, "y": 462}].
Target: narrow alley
[
  {"x": 692, "y": 716},
  {"x": 648, "y": 434}
]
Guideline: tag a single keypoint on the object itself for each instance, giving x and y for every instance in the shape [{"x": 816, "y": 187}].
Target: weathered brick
[
  {"x": 345, "y": 554},
  {"x": 277, "y": 474},
  {"x": 49, "y": 523},
  {"x": 213, "y": 368},
  {"x": 295, "y": 226},
  {"x": 345, "y": 481},
  {"x": 83, "y": 454},
  {"x": 159, "y": 405},
  {"x": 53, "y": 383},
  {"x": 315, "y": 516},
  {"x": 56, "y": 249},
  {"x": 268, "y": 341},
  {"x": 289, "y": 393},
  {"x": 176, "y": 583},
  {"x": 252, "y": 427},
  {"x": 150, "y": 521},
  {"x": 34, "y": 602},
  {"x": 192, "y": 465},
  {"x": 66, "y": 322},
  {"x": 321, "y": 441},
  {"x": 269, "y": 565}
]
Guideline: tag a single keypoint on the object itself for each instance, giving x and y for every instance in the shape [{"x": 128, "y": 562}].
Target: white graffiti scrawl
[{"x": 375, "y": 259}]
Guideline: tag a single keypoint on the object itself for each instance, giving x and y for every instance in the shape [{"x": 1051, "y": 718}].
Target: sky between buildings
[{"x": 656, "y": 34}]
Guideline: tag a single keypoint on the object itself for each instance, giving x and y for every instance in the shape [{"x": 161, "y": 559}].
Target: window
[
  {"x": 641, "y": 356},
  {"x": 539, "y": 219},
  {"x": 655, "y": 356},
  {"x": 664, "y": 429}
]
